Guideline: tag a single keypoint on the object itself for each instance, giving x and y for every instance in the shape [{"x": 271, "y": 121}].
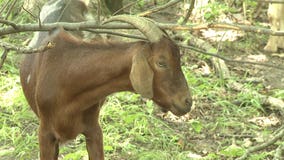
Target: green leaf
[
  {"x": 197, "y": 126},
  {"x": 108, "y": 148},
  {"x": 233, "y": 151}
]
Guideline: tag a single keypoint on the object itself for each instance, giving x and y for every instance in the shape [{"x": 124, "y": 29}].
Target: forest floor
[{"x": 240, "y": 129}]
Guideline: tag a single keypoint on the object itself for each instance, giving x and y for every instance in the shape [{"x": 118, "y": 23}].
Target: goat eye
[{"x": 162, "y": 64}]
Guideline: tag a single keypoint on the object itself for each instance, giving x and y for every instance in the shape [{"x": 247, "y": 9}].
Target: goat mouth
[
  {"x": 178, "y": 110},
  {"x": 174, "y": 108}
]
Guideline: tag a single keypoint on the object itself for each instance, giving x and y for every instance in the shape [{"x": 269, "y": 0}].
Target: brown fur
[{"x": 67, "y": 85}]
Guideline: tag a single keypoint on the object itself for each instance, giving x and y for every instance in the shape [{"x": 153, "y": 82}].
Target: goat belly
[{"x": 67, "y": 127}]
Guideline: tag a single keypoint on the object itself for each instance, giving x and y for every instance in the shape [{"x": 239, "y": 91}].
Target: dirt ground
[{"x": 271, "y": 78}]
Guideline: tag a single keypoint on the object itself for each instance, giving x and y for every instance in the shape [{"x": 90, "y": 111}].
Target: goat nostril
[{"x": 188, "y": 102}]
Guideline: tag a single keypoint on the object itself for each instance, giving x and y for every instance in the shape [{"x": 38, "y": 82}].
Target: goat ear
[{"x": 141, "y": 76}]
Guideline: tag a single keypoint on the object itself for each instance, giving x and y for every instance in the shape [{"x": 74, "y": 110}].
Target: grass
[
  {"x": 18, "y": 123},
  {"x": 132, "y": 128}
]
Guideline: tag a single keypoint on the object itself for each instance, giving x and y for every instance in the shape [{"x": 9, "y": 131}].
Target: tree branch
[
  {"x": 279, "y": 152},
  {"x": 4, "y": 7},
  {"x": 142, "y": 38},
  {"x": 14, "y": 25},
  {"x": 156, "y": 9},
  {"x": 219, "y": 64},
  {"x": 271, "y": 1},
  {"x": 191, "y": 7},
  {"x": 3, "y": 57},
  {"x": 124, "y": 7},
  {"x": 10, "y": 9},
  {"x": 66, "y": 25},
  {"x": 263, "y": 145},
  {"x": 93, "y": 25},
  {"x": 228, "y": 59},
  {"x": 25, "y": 50},
  {"x": 33, "y": 16}
]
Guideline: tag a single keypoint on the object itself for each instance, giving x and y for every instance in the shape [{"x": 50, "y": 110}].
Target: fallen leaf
[
  {"x": 271, "y": 120},
  {"x": 194, "y": 156}
]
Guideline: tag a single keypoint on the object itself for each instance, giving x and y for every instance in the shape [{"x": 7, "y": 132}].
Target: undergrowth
[{"x": 133, "y": 128}]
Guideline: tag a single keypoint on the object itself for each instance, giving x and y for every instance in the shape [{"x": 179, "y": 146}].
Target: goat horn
[{"x": 147, "y": 27}]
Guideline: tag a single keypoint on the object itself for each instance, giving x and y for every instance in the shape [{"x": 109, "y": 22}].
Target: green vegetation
[
  {"x": 135, "y": 129},
  {"x": 132, "y": 128},
  {"x": 18, "y": 124}
]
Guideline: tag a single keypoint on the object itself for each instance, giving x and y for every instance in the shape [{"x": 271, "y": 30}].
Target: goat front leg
[
  {"x": 93, "y": 133},
  {"x": 94, "y": 142},
  {"x": 49, "y": 145}
]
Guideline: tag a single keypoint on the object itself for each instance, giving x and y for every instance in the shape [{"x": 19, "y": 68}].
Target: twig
[
  {"x": 258, "y": 9},
  {"x": 230, "y": 60},
  {"x": 25, "y": 50},
  {"x": 245, "y": 9},
  {"x": 271, "y": 1},
  {"x": 10, "y": 9},
  {"x": 99, "y": 12},
  {"x": 225, "y": 74},
  {"x": 235, "y": 136},
  {"x": 39, "y": 19},
  {"x": 240, "y": 28},
  {"x": 219, "y": 65},
  {"x": 3, "y": 57},
  {"x": 274, "y": 104},
  {"x": 279, "y": 152},
  {"x": 262, "y": 146},
  {"x": 4, "y": 7},
  {"x": 192, "y": 2},
  {"x": 29, "y": 12},
  {"x": 171, "y": 3},
  {"x": 14, "y": 25},
  {"x": 126, "y": 6}
]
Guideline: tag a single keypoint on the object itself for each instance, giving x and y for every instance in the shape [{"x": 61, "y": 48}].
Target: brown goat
[{"x": 67, "y": 85}]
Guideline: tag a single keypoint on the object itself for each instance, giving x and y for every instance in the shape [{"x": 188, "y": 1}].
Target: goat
[{"x": 67, "y": 85}]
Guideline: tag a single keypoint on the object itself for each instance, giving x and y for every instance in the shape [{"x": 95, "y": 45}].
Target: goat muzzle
[{"x": 182, "y": 107}]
